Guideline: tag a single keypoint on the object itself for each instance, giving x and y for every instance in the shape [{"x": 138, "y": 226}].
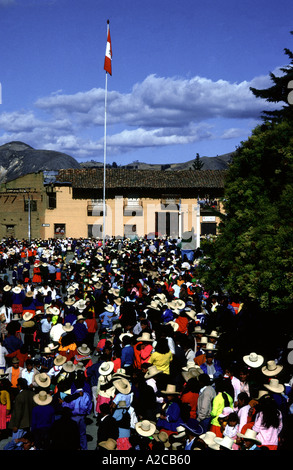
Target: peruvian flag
[{"x": 108, "y": 55}]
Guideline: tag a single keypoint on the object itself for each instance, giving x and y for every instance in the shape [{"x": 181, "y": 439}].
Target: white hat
[
  {"x": 251, "y": 435},
  {"x": 106, "y": 367},
  {"x": 209, "y": 439},
  {"x": 275, "y": 386},
  {"x": 271, "y": 368},
  {"x": 225, "y": 441},
  {"x": 253, "y": 360},
  {"x": 145, "y": 428}
]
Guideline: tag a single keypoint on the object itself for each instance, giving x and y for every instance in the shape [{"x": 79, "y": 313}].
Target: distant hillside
[
  {"x": 220, "y": 162},
  {"x": 18, "y": 159}
]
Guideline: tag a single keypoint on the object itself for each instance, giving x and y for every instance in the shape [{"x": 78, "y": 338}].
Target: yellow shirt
[{"x": 162, "y": 361}]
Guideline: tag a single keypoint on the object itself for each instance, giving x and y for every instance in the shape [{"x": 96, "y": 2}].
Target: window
[
  {"x": 95, "y": 230},
  {"x": 52, "y": 203},
  {"x": 33, "y": 205},
  {"x": 59, "y": 230},
  {"x": 129, "y": 229}
]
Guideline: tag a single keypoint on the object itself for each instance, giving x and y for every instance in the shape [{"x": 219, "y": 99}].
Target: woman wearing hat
[
  {"x": 122, "y": 416},
  {"x": 43, "y": 417},
  {"x": 170, "y": 416},
  {"x": 162, "y": 356}
]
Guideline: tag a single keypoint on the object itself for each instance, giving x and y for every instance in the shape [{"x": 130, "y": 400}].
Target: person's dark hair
[
  {"x": 162, "y": 346},
  {"x": 192, "y": 385},
  {"x": 204, "y": 380},
  {"x": 22, "y": 382},
  {"x": 270, "y": 412},
  {"x": 243, "y": 396}
]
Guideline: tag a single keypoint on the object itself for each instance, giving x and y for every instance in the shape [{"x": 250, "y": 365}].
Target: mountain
[
  {"x": 18, "y": 159},
  {"x": 220, "y": 162}
]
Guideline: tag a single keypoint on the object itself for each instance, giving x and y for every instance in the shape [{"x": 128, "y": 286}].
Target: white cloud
[{"x": 159, "y": 111}]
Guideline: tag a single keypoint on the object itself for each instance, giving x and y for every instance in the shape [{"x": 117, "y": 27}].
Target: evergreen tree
[
  {"x": 197, "y": 164},
  {"x": 278, "y": 92}
]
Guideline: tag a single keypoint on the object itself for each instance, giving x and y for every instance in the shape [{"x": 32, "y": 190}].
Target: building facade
[{"x": 71, "y": 203}]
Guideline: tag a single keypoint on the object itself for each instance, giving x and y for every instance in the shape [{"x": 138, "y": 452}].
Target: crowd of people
[{"x": 128, "y": 334}]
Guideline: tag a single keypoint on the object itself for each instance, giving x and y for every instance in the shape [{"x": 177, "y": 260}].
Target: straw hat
[
  {"x": 163, "y": 437},
  {"x": 29, "y": 294},
  {"x": 250, "y": 435},
  {"x": 120, "y": 372},
  {"x": 125, "y": 334},
  {"x": 145, "y": 337},
  {"x": 7, "y": 288},
  {"x": 16, "y": 290},
  {"x": 225, "y": 441},
  {"x": 210, "y": 347},
  {"x": 83, "y": 350},
  {"x": 174, "y": 325},
  {"x": 152, "y": 372},
  {"x": 27, "y": 316},
  {"x": 213, "y": 334},
  {"x": 69, "y": 301},
  {"x": 42, "y": 398},
  {"x": 109, "y": 444},
  {"x": 122, "y": 385},
  {"x": 109, "y": 308},
  {"x": 191, "y": 313},
  {"x": 3, "y": 374},
  {"x": 261, "y": 393},
  {"x": 145, "y": 428},
  {"x": 67, "y": 327},
  {"x": 180, "y": 432},
  {"x": 253, "y": 360},
  {"x": 68, "y": 366},
  {"x": 106, "y": 367},
  {"x": 198, "y": 330},
  {"x": 209, "y": 439},
  {"x": 274, "y": 386},
  {"x": 43, "y": 380},
  {"x": 191, "y": 370},
  {"x": 271, "y": 368},
  {"x": 170, "y": 390},
  {"x": 59, "y": 360}
]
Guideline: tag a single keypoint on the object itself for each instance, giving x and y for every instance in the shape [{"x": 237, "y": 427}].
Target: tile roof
[{"x": 124, "y": 178}]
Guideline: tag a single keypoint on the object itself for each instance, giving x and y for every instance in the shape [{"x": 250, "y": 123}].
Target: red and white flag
[{"x": 108, "y": 55}]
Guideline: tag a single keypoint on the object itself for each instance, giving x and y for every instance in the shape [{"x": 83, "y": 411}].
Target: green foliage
[
  {"x": 253, "y": 254},
  {"x": 197, "y": 164}
]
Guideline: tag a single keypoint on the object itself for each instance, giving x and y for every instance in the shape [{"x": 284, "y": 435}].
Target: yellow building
[
  {"x": 70, "y": 203},
  {"x": 137, "y": 202}
]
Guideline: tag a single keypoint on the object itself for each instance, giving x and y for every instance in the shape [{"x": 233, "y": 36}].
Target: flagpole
[
  {"x": 105, "y": 147},
  {"x": 104, "y": 184}
]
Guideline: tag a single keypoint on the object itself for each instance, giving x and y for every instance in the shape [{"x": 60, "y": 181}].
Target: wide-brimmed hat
[
  {"x": 69, "y": 301},
  {"x": 28, "y": 324},
  {"x": 250, "y": 435},
  {"x": 145, "y": 428},
  {"x": 271, "y": 368},
  {"x": 213, "y": 334},
  {"x": 59, "y": 360},
  {"x": 170, "y": 390},
  {"x": 209, "y": 439},
  {"x": 173, "y": 324},
  {"x": 262, "y": 393},
  {"x": 179, "y": 304},
  {"x": 225, "y": 441},
  {"x": 180, "y": 432},
  {"x": 198, "y": 330},
  {"x": 7, "y": 288},
  {"x": 152, "y": 372},
  {"x": 274, "y": 386},
  {"x": 68, "y": 327},
  {"x": 109, "y": 308},
  {"x": 3, "y": 374},
  {"x": 193, "y": 426},
  {"x": 163, "y": 437},
  {"x": 29, "y": 293},
  {"x": 109, "y": 444},
  {"x": 83, "y": 350},
  {"x": 125, "y": 334},
  {"x": 253, "y": 360},
  {"x": 68, "y": 366},
  {"x": 43, "y": 380},
  {"x": 16, "y": 290},
  {"x": 145, "y": 337},
  {"x": 191, "y": 313},
  {"x": 122, "y": 385},
  {"x": 27, "y": 316},
  {"x": 106, "y": 368},
  {"x": 191, "y": 370},
  {"x": 42, "y": 398},
  {"x": 122, "y": 404},
  {"x": 210, "y": 347},
  {"x": 120, "y": 372}
]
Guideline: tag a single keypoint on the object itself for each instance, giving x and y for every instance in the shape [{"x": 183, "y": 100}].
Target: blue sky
[{"x": 180, "y": 81}]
